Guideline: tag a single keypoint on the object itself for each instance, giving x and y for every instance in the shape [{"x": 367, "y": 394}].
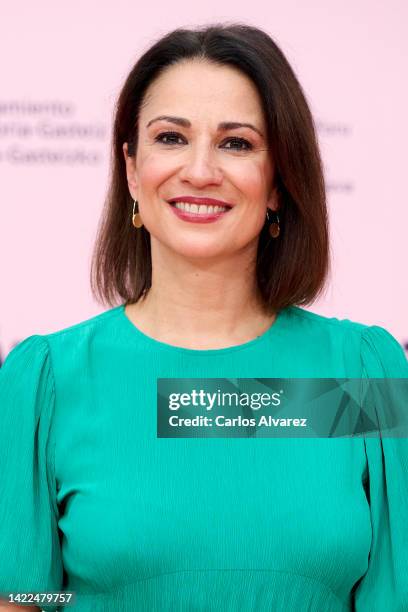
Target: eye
[
  {"x": 171, "y": 135},
  {"x": 242, "y": 141},
  {"x": 174, "y": 136}
]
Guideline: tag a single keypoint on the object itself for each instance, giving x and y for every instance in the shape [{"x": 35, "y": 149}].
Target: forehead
[{"x": 200, "y": 87}]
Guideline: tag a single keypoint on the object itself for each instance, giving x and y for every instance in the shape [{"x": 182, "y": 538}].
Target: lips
[{"x": 198, "y": 201}]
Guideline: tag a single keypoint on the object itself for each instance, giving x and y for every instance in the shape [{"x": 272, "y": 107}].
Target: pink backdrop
[{"x": 62, "y": 67}]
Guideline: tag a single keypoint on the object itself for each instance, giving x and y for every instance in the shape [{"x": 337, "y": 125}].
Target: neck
[{"x": 201, "y": 302}]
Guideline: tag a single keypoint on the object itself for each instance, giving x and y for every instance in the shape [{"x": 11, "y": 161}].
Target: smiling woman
[
  {"x": 224, "y": 163},
  {"x": 215, "y": 114},
  {"x": 214, "y": 232}
]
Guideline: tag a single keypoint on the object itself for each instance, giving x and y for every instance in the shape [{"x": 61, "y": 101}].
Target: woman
[{"x": 93, "y": 502}]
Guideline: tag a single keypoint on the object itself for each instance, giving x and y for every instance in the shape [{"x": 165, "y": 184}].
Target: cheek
[
  {"x": 152, "y": 171},
  {"x": 250, "y": 178}
]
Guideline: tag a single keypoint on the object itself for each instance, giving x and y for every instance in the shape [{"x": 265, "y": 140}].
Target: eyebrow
[{"x": 223, "y": 126}]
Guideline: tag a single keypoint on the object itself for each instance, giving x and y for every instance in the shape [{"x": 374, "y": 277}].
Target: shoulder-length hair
[{"x": 291, "y": 269}]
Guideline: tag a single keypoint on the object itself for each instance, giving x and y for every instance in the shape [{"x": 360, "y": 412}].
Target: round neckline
[{"x": 272, "y": 329}]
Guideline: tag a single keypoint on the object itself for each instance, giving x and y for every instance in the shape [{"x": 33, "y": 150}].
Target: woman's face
[{"x": 200, "y": 158}]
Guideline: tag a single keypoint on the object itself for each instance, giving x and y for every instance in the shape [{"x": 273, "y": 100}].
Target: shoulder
[
  {"x": 86, "y": 326},
  {"x": 25, "y": 371},
  {"x": 331, "y": 332},
  {"x": 56, "y": 349},
  {"x": 379, "y": 351},
  {"x": 316, "y": 322},
  {"x": 26, "y": 384},
  {"x": 71, "y": 339}
]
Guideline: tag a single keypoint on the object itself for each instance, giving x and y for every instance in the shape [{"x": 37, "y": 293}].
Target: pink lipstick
[{"x": 199, "y": 217}]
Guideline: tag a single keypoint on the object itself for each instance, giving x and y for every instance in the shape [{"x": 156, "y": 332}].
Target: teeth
[{"x": 200, "y": 209}]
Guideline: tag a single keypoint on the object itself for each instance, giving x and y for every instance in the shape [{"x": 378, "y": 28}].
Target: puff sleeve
[
  {"x": 384, "y": 586},
  {"x": 30, "y": 554}
]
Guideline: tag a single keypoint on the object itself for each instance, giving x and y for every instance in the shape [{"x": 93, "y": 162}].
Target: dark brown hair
[{"x": 291, "y": 269}]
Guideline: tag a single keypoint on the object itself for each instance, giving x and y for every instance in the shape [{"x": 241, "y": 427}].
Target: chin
[{"x": 205, "y": 250}]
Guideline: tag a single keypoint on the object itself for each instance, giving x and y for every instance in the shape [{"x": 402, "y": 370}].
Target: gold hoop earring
[
  {"x": 136, "y": 218},
  {"x": 274, "y": 227}
]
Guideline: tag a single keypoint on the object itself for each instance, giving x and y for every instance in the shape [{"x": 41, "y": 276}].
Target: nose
[{"x": 200, "y": 167}]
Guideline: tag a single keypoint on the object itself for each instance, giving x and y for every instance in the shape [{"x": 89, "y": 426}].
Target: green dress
[{"x": 93, "y": 502}]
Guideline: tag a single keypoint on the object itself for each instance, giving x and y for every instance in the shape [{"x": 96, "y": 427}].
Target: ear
[
  {"x": 130, "y": 171},
  {"x": 273, "y": 200}
]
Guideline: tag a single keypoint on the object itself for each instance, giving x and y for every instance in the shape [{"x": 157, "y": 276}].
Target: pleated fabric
[{"x": 93, "y": 502}]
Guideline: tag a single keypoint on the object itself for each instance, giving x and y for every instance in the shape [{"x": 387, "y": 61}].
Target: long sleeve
[
  {"x": 384, "y": 587},
  {"x": 30, "y": 555}
]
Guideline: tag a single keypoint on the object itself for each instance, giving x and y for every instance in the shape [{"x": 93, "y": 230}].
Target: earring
[
  {"x": 136, "y": 218},
  {"x": 274, "y": 227}
]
